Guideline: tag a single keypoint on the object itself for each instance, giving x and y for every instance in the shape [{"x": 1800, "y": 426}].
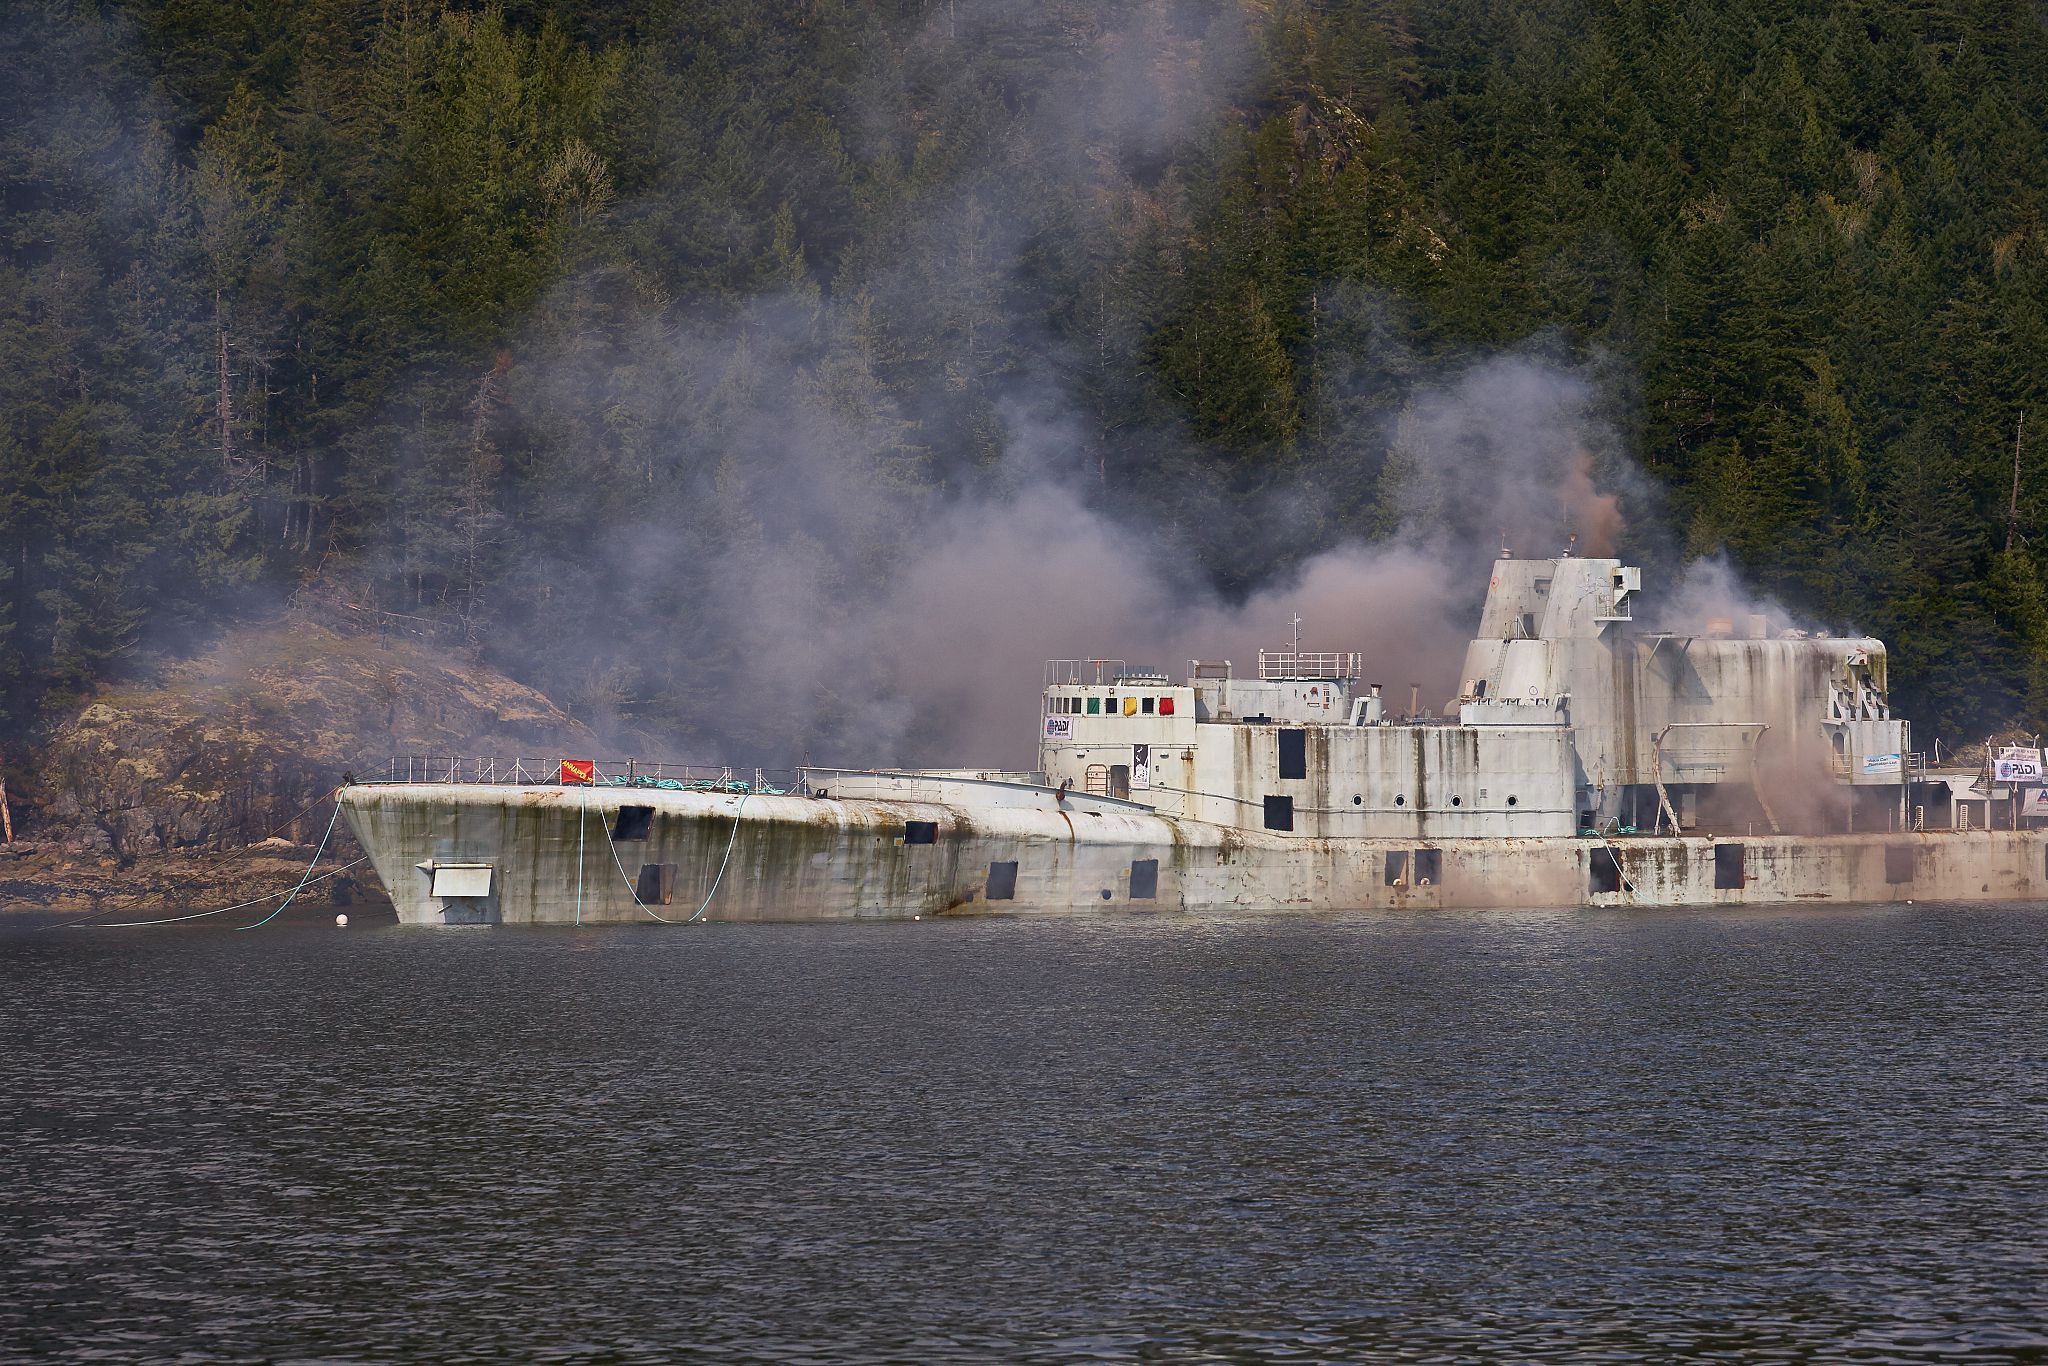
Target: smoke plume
[{"x": 777, "y": 539}]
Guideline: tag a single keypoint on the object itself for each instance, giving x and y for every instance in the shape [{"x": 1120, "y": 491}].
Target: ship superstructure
[
  {"x": 1570, "y": 717},
  {"x": 1589, "y": 757}
]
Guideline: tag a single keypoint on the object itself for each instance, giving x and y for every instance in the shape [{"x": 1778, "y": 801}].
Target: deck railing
[
  {"x": 1281, "y": 665},
  {"x": 674, "y": 777},
  {"x": 1078, "y": 673}
]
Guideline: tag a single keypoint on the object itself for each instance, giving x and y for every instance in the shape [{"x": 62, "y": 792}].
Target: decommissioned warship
[{"x": 1588, "y": 760}]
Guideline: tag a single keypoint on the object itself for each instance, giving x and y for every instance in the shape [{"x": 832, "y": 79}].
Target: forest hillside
[{"x": 772, "y": 380}]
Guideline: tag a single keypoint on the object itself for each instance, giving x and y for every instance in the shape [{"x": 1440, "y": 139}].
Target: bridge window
[
  {"x": 633, "y": 823},
  {"x": 1002, "y": 881},
  {"x": 1095, "y": 706},
  {"x": 1145, "y": 879},
  {"x": 1166, "y": 706},
  {"x": 1279, "y": 813},
  {"x": 920, "y": 832},
  {"x": 1293, "y": 754},
  {"x": 1146, "y": 705}
]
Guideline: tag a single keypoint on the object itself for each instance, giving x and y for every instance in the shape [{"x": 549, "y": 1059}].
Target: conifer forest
[{"x": 544, "y": 321}]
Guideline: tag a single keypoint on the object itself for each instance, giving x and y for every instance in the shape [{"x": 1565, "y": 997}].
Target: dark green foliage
[{"x": 395, "y": 291}]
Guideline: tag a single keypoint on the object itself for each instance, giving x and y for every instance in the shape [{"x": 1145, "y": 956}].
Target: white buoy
[
  {"x": 917, "y": 917},
  {"x": 341, "y": 920}
]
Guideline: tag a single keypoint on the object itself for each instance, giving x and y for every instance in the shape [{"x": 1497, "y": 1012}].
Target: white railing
[
  {"x": 1286, "y": 664},
  {"x": 1076, "y": 673},
  {"x": 490, "y": 769}
]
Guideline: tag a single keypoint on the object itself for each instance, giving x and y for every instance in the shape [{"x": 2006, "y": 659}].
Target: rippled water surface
[{"x": 1571, "y": 1136}]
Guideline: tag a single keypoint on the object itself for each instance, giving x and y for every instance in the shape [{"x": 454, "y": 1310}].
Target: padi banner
[
  {"x": 2017, "y": 765},
  {"x": 1059, "y": 727},
  {"x": 2034, "y": 802},
  {"x": 1875, "y": 765}
]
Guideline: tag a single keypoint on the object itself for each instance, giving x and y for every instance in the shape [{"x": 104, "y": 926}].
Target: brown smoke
[{"x": 1596, "y": 516}]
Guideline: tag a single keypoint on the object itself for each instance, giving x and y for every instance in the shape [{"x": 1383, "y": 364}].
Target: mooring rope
[
  {"x": 629, "y": 881},
  {"x": 582, "y": 812},
  {"x": 201, "y": 915},
  {"x": 729, "y": 843},
  {"x": 731, "y": 840},
  {"x": 324, "y": 837},
  {"x": 1628, "y": 888},
  {"x": 128, "y": 901},
  {"x": 305, "y": 880}
]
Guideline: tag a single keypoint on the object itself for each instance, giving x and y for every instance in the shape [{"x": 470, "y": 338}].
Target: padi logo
[
  {"x": 2015, "y": 764},
  {"x": 1059, "y": 727}
]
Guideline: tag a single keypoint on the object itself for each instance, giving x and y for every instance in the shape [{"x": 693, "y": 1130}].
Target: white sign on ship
[
  {"x": 2016, "y": 764},
  {"x": 1879, "y": 763},
  {"x": 1059, "y": 727}
]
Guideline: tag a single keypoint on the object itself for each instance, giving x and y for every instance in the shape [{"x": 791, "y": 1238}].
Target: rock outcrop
[{"x": 242, "y": 743}]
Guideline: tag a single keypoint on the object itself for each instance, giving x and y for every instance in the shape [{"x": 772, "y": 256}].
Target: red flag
[{"x": 578, "y": 772}]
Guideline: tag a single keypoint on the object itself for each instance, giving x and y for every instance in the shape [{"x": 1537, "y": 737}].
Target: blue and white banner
[{"x": 2015, "y": 765}]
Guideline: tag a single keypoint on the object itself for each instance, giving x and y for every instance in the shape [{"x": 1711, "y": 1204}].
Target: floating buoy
[
  {"x": 341, "y": 919},
  {"x": 917, "y": 917}
]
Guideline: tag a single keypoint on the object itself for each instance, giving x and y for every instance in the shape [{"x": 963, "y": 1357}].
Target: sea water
[{"x": 1800, "y": 1134}]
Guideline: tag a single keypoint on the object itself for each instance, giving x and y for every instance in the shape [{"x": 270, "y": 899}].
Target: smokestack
[{"x": 1415, "y": 699}]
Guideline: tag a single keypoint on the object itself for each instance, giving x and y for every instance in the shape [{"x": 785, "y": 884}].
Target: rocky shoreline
[
  {"x": 211, "y": 783},
  {"x": 46, "y": 878}
]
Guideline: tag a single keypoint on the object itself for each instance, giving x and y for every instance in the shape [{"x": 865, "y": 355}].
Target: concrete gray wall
[{"x": 797, "y": 858}]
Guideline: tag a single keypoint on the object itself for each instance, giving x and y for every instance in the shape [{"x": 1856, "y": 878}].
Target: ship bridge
[
  {"x": 1579, "y": 711},
  {"x": 1301, "y": 748}
]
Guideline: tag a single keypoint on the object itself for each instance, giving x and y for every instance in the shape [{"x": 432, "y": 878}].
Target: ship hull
[{"x": 484, "y": 854}]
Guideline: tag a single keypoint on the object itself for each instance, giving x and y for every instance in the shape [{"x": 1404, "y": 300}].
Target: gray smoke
[
  {"x": 840, "y": 603},
  {"x": 791, "y": 541}
]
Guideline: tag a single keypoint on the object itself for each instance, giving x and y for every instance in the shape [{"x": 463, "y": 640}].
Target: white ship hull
[{"x": 458, "y": 853}]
